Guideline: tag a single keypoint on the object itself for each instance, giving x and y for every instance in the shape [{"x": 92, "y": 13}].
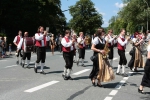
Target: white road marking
[
  {"x": 10, "y": 66},
  {"x": 61, "y": 56},
  {"x": 31, "y": 63},
  {"x": 41, "y": 86},
  {"x": 108, "y": 98},
  {"x": 115, "y": 58},
  {"x": 82, "y": 71},
  {"x": 113, "y": 92}
]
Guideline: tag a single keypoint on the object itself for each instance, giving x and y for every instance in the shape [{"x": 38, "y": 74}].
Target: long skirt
[
  {"x": 102, "y": 69},
  {"x": 138, "y": 62},
  {"x": 146, "y": 78}
]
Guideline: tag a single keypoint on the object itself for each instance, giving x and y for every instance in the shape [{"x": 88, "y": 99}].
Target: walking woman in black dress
[
  {"x": 146, "y": 78},
  {"x": 102, "y": 71}
]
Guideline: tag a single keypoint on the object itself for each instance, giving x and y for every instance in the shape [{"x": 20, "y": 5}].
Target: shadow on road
[{"x": 82, "y": 77}]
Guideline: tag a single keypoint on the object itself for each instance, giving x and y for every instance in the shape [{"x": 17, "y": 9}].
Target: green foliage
[
  {"x": 27, "y": 15},
  {"x": 85, "y": 18},
  {"x": 132, "y": 17}
]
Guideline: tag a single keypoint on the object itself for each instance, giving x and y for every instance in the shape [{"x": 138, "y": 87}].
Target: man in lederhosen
[
  {"x": 27, "y": 55},
  {"x": 40, "y": 42},
  {"x": 81, "y": 43},
  {"x": 111, "y": 42},
  {"x": 121, "y": 45},
  {"x": 16, "y": 41},
  {"x": 68, "y": 52}
]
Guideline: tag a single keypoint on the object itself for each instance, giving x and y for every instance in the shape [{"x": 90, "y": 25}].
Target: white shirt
[
  {"x": 122, "y": 43},
  {"x": 20, "y": 44},
  {"x": 111, "y": 39},
  {"x": 15, "y": 39},
  {"x": 97, "y": 40},
  {"x": 79, "y": 41},
  {"x": 39, "y": 37},
  {"x": 67, "y": 44}
]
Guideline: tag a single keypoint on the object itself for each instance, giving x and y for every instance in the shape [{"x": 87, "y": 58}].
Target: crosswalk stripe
[
  {"x": 41, "y": 86},
  {"x": 10, "y": 66},
  {"x": 115, "y": 58},
  {"x": 82, "y": 71}
]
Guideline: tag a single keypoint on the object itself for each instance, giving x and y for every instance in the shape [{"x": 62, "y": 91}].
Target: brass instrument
[{"x": 106, "y": 49}]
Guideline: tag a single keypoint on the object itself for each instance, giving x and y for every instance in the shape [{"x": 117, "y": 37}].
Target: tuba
[{"x": 106, "y": 49}]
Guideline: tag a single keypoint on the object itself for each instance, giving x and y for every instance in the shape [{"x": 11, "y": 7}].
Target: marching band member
[
  {"x": 25, "y": 54},
  {"x": 138, "y": 59},
  {"x": 111, "y": 41},
  {"x": 81, "y": 42},
  {"x": 121, "y": 45},
  {"x": 99, "y": 72},
  {"x": 16, "y": 41},
  {"x": 40, "y": 42},
  {"x": 68, "y": 52},
  {"x": 146, "y": 77}
]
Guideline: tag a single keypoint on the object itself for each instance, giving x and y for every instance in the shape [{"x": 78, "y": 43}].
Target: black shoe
[
  {"x": 17, "y": 62},
  {"x": 118, "y": 73},
  {"x": 101, "y": 86},
  {"x": 135, "y": 70},
  {"x": 74, "y": 61},
  {"x": 93, "y": 83},
  {"x": 125, "y": 75},
  {"x": 35, "y": 69},
  {"x": 22, "y": 65},
  {"x": 42, "y": 72},
  {"x": 131, "y": 68},
  {"x": 69, "y": 78},
  {"x": 65, "y": 78},
  {"x": 141, "y": 91},
  {"x": 83, "y": 65},
  {"x": 77, "y": 63},
  {"x": 63, "y": 75},
  {"x": 28, "y": 66}
]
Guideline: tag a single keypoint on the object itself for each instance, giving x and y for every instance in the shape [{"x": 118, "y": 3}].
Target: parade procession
[{"x": 46, "y": 55}]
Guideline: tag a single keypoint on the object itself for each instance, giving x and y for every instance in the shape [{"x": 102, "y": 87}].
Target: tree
[{"x": 85, "y": 18}]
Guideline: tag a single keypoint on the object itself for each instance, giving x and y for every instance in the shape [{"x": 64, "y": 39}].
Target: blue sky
[{"x": 107, "y": 8}]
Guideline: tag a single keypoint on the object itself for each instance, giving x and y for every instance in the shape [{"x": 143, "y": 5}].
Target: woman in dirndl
[
  {"x": 146, "y": 78},
  {"x": 102, "y": 70},
  {"x": 137, "y": 55}
]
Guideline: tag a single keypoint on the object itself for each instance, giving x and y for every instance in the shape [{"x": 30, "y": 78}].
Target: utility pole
[{"x": 147, "y": 12}]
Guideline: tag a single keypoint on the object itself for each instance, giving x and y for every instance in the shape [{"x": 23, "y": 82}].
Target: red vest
[
  {"x": 38, "y": 43},
  {"x": 119, "y": 46},
  {"x": 18, "y": 39},
  {"x": 66, "y": 49}
]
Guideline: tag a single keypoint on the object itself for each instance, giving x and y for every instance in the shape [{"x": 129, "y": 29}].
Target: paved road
[{"x": 17, "y": 83}]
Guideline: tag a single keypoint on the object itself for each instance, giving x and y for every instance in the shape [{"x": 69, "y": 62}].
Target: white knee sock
[
  {"x": 123, "y": 68},
  {"x": 68, "y": 72},
  {"x": 36, "y": 64},
  {"x": 28, "y": 62},
  {"x": 65, "y": 71},
  {"x": 118, "y": 69},
  {"x": 82, "y": 61},
  {"x": 23, "y": 61},
  {"x": 42, "y": 66},
  {"x": 74, "y": 58}
]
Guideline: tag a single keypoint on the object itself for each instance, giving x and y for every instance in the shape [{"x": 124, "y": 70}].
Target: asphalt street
[{"x": 17, "y": 83}]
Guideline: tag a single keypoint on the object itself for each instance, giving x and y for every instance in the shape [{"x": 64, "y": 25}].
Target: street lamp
[{"x": 147, "y": 13}]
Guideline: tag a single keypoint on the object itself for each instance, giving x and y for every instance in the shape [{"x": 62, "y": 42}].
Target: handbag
[
  {"x": 93, "y": 58},
  {"x": 132, "y": 51}
]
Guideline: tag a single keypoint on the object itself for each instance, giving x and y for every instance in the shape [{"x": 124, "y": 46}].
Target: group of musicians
[{"x": 101, "y": 43}]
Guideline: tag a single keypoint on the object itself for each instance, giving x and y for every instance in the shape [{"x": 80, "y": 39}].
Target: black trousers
[
  {"x": 82, "y": 53},
  {"x": 19, "y": 53},
  {"x": 26, "y": 55},
  {"x": 123, "y": 60},
  {"x": 68, "y": 57},
  {"x": 111, "y": 53},
  {"x": 41, "y": 54}
]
